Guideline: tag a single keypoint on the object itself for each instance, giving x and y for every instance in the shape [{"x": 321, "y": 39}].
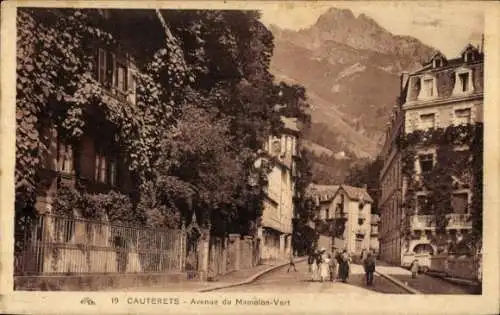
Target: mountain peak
[{"x": 334, "y": 17}]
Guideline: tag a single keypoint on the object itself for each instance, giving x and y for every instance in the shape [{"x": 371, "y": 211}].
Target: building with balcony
[
  {"x": 275, "y": 231},
  {"x": 374, "y": 233},
  {"x": 390, "y": 180},
  {"x": 342, "y": 217},
  {"x": 444, "y": 97}
]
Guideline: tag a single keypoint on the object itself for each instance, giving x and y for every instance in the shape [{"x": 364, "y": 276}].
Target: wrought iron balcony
[
  {"x": 360, "y": 233},
  {"x": 428, "y": 222}
]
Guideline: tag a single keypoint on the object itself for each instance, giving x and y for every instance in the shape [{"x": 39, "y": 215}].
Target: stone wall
[
  {"x": 464, "y": 267},
  {"x": 231, "y": 254}
]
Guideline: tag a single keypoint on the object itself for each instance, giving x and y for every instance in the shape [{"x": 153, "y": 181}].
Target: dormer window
[
  {"x": 438, "y": 60},
  {"x": 463, "y": 82},
  {"x": 428, "y": 89},
  {"x": 469, "y": 53},
  {"x": 469, "y": 56}
]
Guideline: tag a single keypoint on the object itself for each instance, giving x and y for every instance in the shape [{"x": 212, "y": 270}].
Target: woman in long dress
[
  {"x": 314, "y": 267},
  {"x": 324, "y": 266}
]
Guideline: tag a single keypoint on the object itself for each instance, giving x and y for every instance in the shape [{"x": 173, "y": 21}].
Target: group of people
[{"x": 325, "y": 266}]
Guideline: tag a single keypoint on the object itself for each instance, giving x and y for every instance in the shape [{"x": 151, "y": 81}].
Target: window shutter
[
  {"x": 101, "y": 65},
  {"x": 131, "y": 85}
]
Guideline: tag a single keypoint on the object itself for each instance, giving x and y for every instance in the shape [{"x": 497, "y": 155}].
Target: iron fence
[{"x": 62, "y": 245}]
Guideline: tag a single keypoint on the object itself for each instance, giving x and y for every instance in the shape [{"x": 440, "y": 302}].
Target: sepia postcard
[{"x": 267, "y": 157}]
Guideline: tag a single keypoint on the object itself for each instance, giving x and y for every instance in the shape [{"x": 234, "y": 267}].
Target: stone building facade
[
  {"x": 442, "y": 93},
  {"x": 390, "y": 179},
  {"x": 275, "y": 231},
  {"x": 353, "y": 204}
]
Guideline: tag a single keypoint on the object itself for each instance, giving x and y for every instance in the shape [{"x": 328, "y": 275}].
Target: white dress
[
  {"x": 314, "y": 271},
  {"x": 324, "y": 268}
]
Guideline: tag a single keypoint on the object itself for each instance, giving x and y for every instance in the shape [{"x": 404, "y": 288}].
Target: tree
[
  {"x": 367, "y": 174},
  {"x": 205, "y": 104}
]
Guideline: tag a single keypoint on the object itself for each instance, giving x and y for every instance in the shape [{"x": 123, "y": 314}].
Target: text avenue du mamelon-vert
[{"x": 253, "y": 301}]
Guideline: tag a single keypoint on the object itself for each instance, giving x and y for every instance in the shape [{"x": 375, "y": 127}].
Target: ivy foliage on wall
[
  {"x": 450, "y": 166},
  {"x": 113, "y": 206},
  {"x": 207, "y": 74}
]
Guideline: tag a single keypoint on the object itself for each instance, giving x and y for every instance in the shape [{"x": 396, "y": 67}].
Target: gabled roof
[
  {"x": 438, "y": 54},
  {"x": 469, "y": 47},
  {"x": 321, "y": 192},
  {"x": 328, "y": 192},
  {"x": 356, "y": 193}
]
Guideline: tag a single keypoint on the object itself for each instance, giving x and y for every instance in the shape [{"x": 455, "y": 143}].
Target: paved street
[
  {"x": 298, "y": 282},
  {"x": 423, "y": 283}
]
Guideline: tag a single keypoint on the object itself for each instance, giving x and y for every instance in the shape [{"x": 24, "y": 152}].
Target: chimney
[
  {"x": 482, "y": 44},
  {"x": 404, "y": 79}
]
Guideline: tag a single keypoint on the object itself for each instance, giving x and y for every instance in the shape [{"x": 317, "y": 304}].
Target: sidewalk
[
  {"x": 423, "y": 284},
  {"x": 232, "y": 279}
]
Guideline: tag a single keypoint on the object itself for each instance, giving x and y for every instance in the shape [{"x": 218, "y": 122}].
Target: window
[
  {"x": 469, "y": 56},
  {"x": 427, "y": 121},
  {"x": 422, "y": 205},
  {"x": 276, "y": 147},
  {"x": 438, "y": 62},
  {"x": 464, "y": 81},
  {"x": 105, "y": 67},
  {"x": 100, "y": 168},
  {"x": 463, "y": 116},
  {"x": 101, "y": 74},
  {"x": 105, "y": 169},
  {"x": 121, "y": 78},
  {"x": 112, "y": 173},
  {"x": 460, "y": 202},
  {"x": 359, "y": 242},
  {"x": 65, "y": 157},
  {"x": 428, "y": 87},
  {"x": 426, "y": 162},
  {"x": 327, "y": 213}
]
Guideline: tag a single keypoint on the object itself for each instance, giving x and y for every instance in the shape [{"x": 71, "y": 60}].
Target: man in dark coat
[
  {"x": 344, "y": 266},
  {"x": 369, "y": 265}
]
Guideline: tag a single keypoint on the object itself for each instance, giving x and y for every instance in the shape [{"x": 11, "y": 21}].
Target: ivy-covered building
[
  {"x": 82, "y": 162},
  {"x": 427, "y": 181}
]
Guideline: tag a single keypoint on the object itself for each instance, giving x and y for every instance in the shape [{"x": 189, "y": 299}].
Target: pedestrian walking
[
  {"x": 344, "y": 266},
  {"x": 324, "y": 262},
  {"x": 364, "y": 254},
  {"x": 310, "y": 261},
  {"x": 292, "y": 263},
  {"x": 414, "y": 268},
  {"x": 369, "y": 264},
  {"x": 314, "y": 267},
  {"x": 333, "y": 267}
]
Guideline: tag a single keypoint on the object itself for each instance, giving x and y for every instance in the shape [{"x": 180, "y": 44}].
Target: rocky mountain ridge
[{"x": 350, "y": 66}]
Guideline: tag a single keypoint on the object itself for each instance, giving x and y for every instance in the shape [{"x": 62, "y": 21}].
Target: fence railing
[{"x": 62, "y": 245}]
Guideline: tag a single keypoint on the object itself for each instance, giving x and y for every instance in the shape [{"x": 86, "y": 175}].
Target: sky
[{"x": 447, "y": 26}]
